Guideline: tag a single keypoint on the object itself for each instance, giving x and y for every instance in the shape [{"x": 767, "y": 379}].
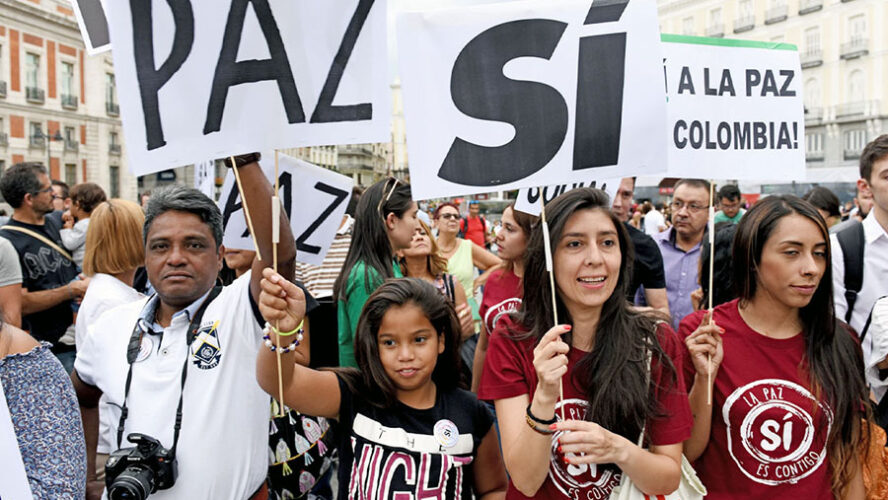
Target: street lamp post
[{"x": 49, "y": 139}]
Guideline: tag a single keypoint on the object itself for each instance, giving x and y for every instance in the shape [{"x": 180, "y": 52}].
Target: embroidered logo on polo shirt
[
  {"x": 206, "y": 350},
  {"x": 776, "y": 430}
]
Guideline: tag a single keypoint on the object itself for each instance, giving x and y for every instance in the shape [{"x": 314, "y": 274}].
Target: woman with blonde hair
[
  {"x": 114, "y": 250},
  {"x": 424, "y": 260}
]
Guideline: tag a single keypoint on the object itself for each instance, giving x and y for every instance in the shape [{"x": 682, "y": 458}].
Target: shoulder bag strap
[
  {"x": 42, "y": 238},
  {"x": 852, "y": 240}
]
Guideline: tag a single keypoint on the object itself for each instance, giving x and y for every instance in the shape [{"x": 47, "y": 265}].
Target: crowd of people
[{"x": 435, "y": 355}]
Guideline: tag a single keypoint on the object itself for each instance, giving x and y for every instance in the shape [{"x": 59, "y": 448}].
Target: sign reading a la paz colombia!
[
  {"x": 208, "y": 79},
  {"x": 529, "y": 93},
  {"x": 736, "y": 109}
]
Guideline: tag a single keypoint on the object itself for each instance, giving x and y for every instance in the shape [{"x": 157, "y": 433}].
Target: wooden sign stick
[
  {"x": 550, "y": 267},
  {"x": 240, "y": 190}
]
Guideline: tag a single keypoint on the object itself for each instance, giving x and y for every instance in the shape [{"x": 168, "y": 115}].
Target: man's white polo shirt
[{"x": 222, "y": 450}]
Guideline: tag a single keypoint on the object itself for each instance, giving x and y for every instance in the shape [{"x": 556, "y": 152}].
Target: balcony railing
[
  {"x": 37, "y": 141},
  {"x": 811, "y": 58},
  {"x": 2, "y": 89},
  {"x": 716, "y": 30},
  {"x": 858, "y": 109},
  {"x": 814, "y": 155},
  {"x": 112, "y": 108},
  {"x": 857, "y": 47},
  {"x": 852, "y": 154},
  {"x": 809, "y": 6},
  {"x": 71, "y": 145},
  {"x": 813, "y": 115},
  {"x": 4, "y": 139},
  {"x": 69, "y": 101},
  {"x": 744, "y": 23},
  {"x": 114, "y": 149},
  {"x": 776, "y": 14},
  {"x": 34, "y": 94}
]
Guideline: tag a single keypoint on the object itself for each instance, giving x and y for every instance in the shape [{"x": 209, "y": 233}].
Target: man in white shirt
[
  {"x": 206, "y": 366},
  {"x": 873, "y": 182},
  {"x": 654, "y": 221}
]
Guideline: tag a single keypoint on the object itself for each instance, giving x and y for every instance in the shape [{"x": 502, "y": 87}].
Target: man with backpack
[
  {"x": 473, "y": 226},
  {"x": 860, "y": 265}
]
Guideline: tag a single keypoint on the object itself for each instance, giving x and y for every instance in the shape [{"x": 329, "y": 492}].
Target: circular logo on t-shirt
[
  {"x": 776, "y": 431},
  {"x": 586, "y": 481},
  {"x": 446, "y": 433},
  {"x": 496, "y": 312}
]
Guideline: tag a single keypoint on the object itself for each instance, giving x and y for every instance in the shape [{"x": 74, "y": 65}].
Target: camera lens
[{"x": 134, "y": 483}]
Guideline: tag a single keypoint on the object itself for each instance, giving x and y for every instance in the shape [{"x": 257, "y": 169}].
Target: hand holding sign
[{"x": 313, "y": 198}]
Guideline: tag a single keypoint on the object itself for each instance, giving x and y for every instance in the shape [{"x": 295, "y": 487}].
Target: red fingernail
[
  {"x": 567, "y": 327},
  {"x": 553, "y": 427},
  {"x": 566, "y": 460},
  {"x": 559, "y": 449}
]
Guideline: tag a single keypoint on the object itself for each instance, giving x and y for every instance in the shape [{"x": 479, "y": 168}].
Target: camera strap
[{"x": 133, "y": 351}]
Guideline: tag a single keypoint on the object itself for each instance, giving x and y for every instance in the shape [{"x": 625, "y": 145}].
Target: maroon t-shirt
[
  {"x": 769, "y": 431},
  {"x": 509, "y": 372},
  {"x": 502, "y": 295}
]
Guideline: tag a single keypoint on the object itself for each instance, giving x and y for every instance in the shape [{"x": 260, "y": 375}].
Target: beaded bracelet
[{"x": 284, "y": 350}]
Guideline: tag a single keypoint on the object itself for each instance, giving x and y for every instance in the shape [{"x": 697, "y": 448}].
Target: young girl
[
  {"x": 599, "y": 355},
  {"x": 384, "y": 223},
  {"x": 788, "y": 393},
  {"x": 503, "y": 292},
  {"x": 407, "y": 430},
  {"x": 422, "y": 260}
]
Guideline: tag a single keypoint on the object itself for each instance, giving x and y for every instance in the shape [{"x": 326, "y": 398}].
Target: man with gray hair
[{"x": 179, "y": 366}]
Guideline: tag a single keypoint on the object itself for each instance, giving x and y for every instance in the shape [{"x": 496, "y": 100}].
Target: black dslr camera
[{"x": 135, "y": 473}]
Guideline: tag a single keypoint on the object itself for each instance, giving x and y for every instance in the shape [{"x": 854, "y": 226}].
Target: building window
[
  {"x": 857, "y": 28},
  {"x": 70, "y": 134},
  {"x": 70, "y": 174},
  {"x": 812, "y": 40},
  {"x": 68, "y": 98},
  {"x": 812, "y": 94},
  {"x": 687, "y": 26},
  {"x": 855, "y": 141},
  {"x": 32, "y": 70},
  {"x": 746, "y": 8},
  {"x": 856, "y": 87},
  {"x": 814, "y": 143},
  {"x": 115, "y": 181}
]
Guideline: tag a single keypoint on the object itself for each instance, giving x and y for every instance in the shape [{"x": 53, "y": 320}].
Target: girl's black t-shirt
[{"x": 426, "y": 453}]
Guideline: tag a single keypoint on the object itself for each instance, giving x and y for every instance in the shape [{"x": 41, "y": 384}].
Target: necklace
[{"x": 451, "y": 249}]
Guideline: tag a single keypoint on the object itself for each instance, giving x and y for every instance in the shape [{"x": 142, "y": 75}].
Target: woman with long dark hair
[
  {"x": 602, "y": 353},
  {"x": 503, "y": 290},
  {"x": 384, "y": 223},
  {"x": 789, "y": 400}
]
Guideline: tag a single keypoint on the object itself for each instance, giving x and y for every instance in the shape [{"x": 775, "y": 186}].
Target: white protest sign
[
  {"x": 528, "y": 200},
  {"x": 205, "y": 178},
  {"x": 313, "y": 197},
  {"x": 735, "y": 109},
  {"x": 93, "y": 25},
  {"x": 527, "y": 93},
  {"x": 13, "y": 479},
  {"x": 208, "y": 79}
]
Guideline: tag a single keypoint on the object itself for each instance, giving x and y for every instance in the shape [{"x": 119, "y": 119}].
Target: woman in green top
[{"x": 384, "y": 223}]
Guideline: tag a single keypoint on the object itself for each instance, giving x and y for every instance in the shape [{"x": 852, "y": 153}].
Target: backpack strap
[
  {"x": 852, "y": 240},
  {"x": 869, "y": 319},
  {"x": 448, "y": 283},
  {"x": 43, "y": 239}
]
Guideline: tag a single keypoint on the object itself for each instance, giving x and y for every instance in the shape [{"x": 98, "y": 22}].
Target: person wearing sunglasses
[{"x": 384, "y": 224}]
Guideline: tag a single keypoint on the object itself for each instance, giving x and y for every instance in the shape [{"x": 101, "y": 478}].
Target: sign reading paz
[
  {"x": 735, "y": 109},
  {"x": 208, "y": 79},
  {"x": 521, "y": 94},
  {"x": 313, "y": 198}
]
